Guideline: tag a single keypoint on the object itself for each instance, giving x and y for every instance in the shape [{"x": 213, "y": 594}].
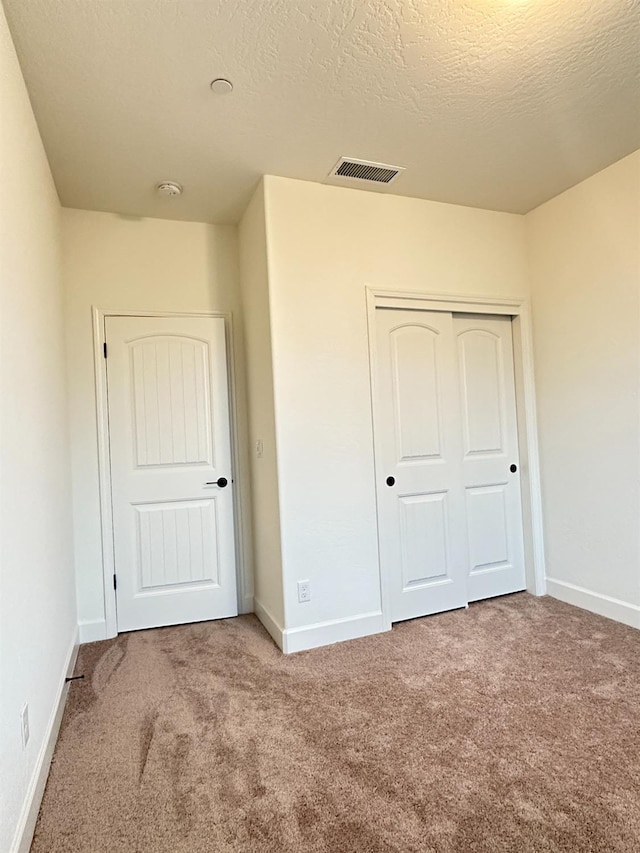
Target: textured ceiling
[{"x": 492, "y": 103}]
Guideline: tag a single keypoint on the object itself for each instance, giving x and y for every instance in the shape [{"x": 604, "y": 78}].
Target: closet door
[
  {"x": 490, "y": 463},
  {"x": 419, "y": 463}
]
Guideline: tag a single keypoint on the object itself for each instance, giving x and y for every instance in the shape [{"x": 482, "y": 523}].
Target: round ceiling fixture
[
  {"x": 221, "y": 86},
  {"x": 169, "y": 189}
]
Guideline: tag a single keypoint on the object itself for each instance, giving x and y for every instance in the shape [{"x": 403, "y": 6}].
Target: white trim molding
[
  {"x": 596, "y": 602},
  {"x": 91, "y": 631},
  {"x": 291, "y": 640},
  {"x": 270, "y": 624},
  {"x": 244, "y": 579},
  {"x": 334, "y": 631},
  {"x": 518, "y": 309},
  {"x": 29, "y": 815}
]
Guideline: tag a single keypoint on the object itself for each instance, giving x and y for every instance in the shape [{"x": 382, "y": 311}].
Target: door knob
[
  {"x": 513, "y": 468},
  {"x": 221, "y": 481},
  {"x": 391, "y": 481}
]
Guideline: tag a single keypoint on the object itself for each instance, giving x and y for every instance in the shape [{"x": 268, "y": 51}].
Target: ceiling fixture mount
[
  {"x": 169, "y": 189},
  {"x": 350, "y": 169},
  {"x": 221, "y": 86}
]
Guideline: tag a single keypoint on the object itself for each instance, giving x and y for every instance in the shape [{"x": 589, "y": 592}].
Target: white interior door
[
  {"x": 419, "y": 465},
  {"x": 450, "y": 515},
  {"x": 172, "y": 487},
  {"x": 491, "y": 467}
]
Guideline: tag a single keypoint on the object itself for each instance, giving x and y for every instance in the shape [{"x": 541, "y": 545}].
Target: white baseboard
[
  {"x": 603, "y": 605},
  {"x": 89, "y": 632},
  {"x": 269, "y": 623},
  {"x": 29, "y": 815},
  {"x": 334, "y": 631}
]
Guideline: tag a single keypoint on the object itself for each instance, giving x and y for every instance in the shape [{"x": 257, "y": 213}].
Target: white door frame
[
  {"x": 518, "y": 309},
  {"x": 104, "y": 456}
]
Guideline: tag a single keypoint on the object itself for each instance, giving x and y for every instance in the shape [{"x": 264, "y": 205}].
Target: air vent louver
[{"x": 350, "y": 169}]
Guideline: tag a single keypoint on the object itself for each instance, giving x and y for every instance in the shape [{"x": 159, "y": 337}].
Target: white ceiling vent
[{"x": 352, "y": 171}]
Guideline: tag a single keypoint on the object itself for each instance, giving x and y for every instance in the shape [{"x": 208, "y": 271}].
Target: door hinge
[
  {"x": 104, "y": 349},
  {"x": 115, "y": 582}
]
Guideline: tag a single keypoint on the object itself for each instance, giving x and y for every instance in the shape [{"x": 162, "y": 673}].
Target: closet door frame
[{"x": 518, "y": 309}]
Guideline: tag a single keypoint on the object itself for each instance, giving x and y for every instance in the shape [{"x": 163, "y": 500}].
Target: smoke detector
[
  {"x": 221, "y": 86},
  {"x": 349, "y": 170},
  {"x": 169, "y": 189}
]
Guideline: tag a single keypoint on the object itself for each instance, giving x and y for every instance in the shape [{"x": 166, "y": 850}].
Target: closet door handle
[
  {"x": 513, "y": 468},
  {"x": 390, "y": 481}
]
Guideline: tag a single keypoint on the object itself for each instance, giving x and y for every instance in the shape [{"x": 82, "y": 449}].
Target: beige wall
[
  {"x": 325, "y": 245},
  {"x": 307, "y": 251},
  {"x": 264, "y": 470},
  {"x": 37, "y": 595},
  {"x": 126, "y": 264},
  {"x": 584, "y": 251}
]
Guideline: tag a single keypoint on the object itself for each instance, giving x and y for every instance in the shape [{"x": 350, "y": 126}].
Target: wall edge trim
[
  {"x": 595, "y": 602},
  {"x": 334, "y": 631},
  {"x": 270, "y": 624},
  {"x": 29, "y": 815},
  {"x": 90, "y": 631}
]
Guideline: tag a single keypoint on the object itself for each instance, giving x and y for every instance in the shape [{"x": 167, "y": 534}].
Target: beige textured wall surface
[
  {"x": 37, "y": 592},
  {"x": 584, "y": 252},
  {"x": 119, "y": 263},
  {"x": 262, "y": 427},
  {"x": 325, "y": 245}
]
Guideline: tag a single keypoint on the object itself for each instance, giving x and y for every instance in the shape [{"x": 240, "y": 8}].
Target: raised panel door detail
[
  {"x": 171, "y": 402},
  {"x": 177, "y": 544},
  {"x": 169, "y": 436},
  {"x": 480, "y": 356},
  {"x": 418, "y": 448},
  {"x": 414, "y": 373},
  {"x": 423, "y": 524},
  {"x": 487, "y": 527}
]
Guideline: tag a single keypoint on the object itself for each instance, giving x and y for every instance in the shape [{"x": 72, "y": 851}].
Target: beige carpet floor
[{"x": 513, "y": 726}]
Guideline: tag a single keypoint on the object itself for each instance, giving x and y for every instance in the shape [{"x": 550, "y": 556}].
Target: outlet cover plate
[{"x": 304, "y": 591}]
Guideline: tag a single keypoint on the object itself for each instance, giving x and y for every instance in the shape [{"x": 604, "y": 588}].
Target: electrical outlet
[
  {"x": 24, "y": 725},
  {"x": 304, "y": 591},
  {"x": 259, "y": 448}
]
